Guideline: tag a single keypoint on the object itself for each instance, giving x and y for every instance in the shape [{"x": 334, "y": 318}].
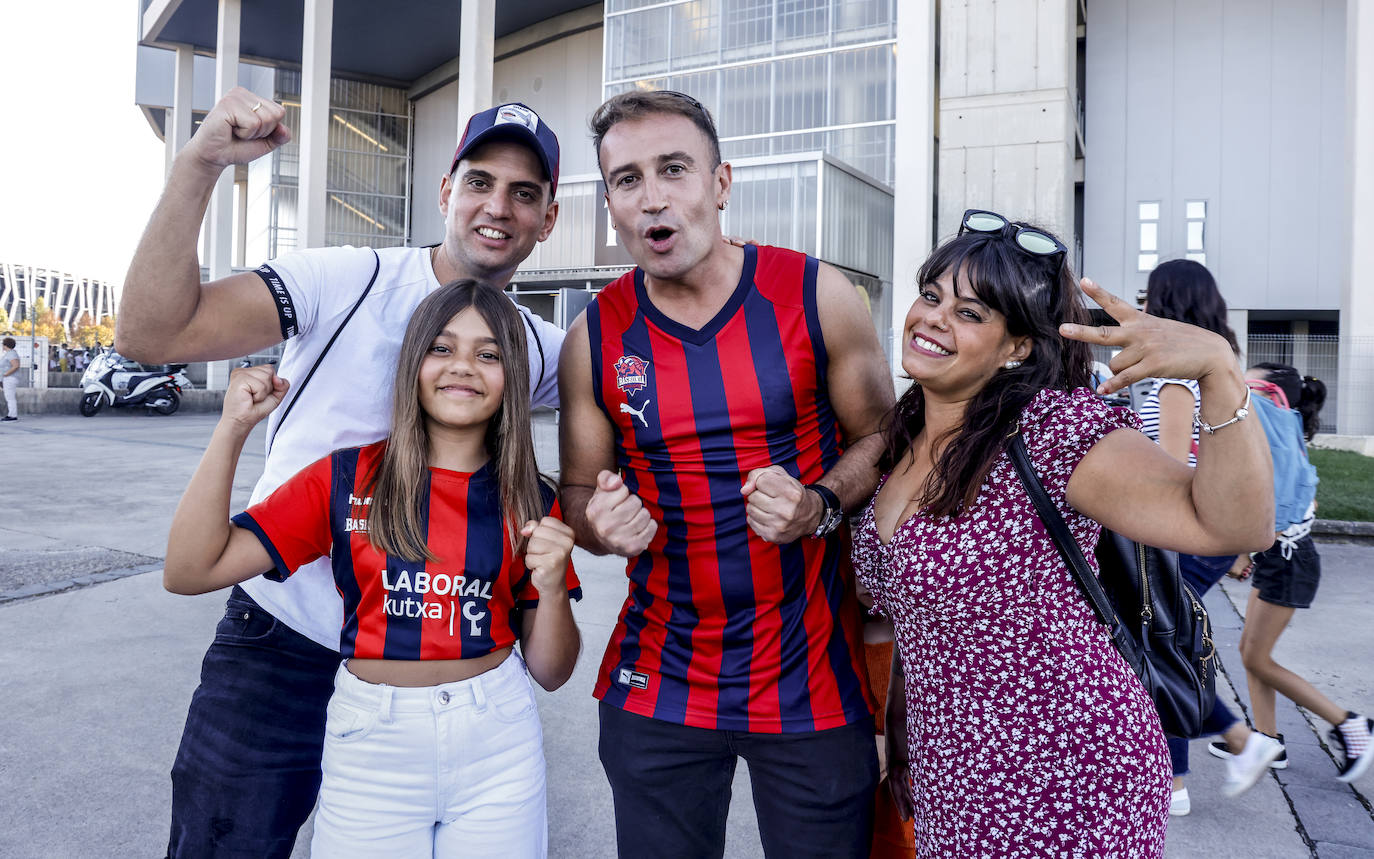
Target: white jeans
[
  {"x": 11, "y": 386},
  {"x": 450, "y": 770}
]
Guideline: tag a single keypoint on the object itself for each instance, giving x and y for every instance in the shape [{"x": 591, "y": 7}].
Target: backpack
[
  {"x": 1155, "y": 620},
  {"x": 1295, "y": 477}
]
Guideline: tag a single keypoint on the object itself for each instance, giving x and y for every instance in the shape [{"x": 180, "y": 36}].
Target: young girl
[
  {"x": 1285, "y": 578},
  {"x": 446, "y": 549}
]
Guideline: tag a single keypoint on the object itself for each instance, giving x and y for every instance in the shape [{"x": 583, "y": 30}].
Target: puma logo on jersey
[{"x": 627, "y": 409}]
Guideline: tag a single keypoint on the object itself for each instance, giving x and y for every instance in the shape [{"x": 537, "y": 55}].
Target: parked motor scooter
[{"x": 108, "y": 380}]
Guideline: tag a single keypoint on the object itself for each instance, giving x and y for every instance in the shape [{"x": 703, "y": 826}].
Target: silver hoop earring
[{"x": 1012, "y": 365}]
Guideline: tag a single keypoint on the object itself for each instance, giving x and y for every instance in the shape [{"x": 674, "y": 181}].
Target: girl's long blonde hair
[{"x": 399, "y": 483}]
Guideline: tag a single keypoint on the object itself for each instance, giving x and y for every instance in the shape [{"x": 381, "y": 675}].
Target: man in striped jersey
[{"x": 721, "y": 408}]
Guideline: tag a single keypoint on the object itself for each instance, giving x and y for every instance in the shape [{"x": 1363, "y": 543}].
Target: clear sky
[{"x": 80, "y": 167}]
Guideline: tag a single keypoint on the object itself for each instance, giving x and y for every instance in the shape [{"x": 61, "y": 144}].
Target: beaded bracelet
[{"x": 1241, "y": 414}]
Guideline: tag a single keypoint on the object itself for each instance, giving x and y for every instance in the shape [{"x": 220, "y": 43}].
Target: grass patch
[{"x": 1346, "y": 490}]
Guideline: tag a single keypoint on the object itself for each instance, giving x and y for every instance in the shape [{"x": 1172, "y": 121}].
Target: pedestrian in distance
[
  {"x": 1015, "y": 728},
  {"x": 9, "y": 378},
  {"x": 498, "y": 202},
  {"x": 447, "y": 550},
  {"x": 1185, "y": 291},
  {"x": 720, "y": 411},
  {"x": 1285, "y": 578}
]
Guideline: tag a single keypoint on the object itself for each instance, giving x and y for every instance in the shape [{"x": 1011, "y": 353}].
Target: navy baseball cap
[{"x": 515, "y": 122}]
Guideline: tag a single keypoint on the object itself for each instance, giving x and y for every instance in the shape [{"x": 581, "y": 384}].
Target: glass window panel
[
  {"x": 862, "y": 82},
  {"x": 747, "y": 28},
  {"x": 1198, "y": 258},
  {"x": 744, "y": 100},
  {"x": 802, "y": 24},
  {"x": 1149, "y": 211},
  {"x": 801, "y": 93},
  {"x": 1149, "y": 236},
  {"x": 696, "y": 34},
  {"x": 637, "y": 44},
  {"x": 1195, "y": 235},
  {"x": 1146, "y": 262},
  {"x": 864, "y": 20},
  {"x": 1196, "y": 210}
]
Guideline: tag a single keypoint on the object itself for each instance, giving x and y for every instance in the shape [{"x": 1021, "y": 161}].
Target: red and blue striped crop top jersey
[
  {"x": 721, "y": 629},
  {"x": 462, "y": 606}
]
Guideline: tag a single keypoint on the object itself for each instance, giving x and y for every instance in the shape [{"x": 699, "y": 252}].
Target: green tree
[{"x": 5, "y": 327}]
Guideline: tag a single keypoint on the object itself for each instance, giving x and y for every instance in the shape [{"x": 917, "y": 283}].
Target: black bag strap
[
  {"x": 300, "y": 388},
  {"x": 526, "y": 314},
  {"x": 1068, "y": 547}
]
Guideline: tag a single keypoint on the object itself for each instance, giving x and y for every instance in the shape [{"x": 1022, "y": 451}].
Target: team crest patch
[{"x": 631, "y": 374}]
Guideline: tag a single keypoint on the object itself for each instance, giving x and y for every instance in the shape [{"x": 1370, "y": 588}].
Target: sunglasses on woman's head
[{"x": 1028, "y": 239}]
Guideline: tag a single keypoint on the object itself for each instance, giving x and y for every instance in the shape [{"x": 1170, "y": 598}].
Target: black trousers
[{"x": 813, "y": 792}]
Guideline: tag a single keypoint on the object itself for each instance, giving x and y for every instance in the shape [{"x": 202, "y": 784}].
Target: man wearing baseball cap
[{"x": 248, "y": 768}]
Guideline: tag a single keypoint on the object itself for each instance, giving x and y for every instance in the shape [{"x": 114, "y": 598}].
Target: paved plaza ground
[{"x": 97, "y": 665}]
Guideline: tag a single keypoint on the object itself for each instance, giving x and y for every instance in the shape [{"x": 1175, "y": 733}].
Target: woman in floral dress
[{"x": 1026, "y": 732}]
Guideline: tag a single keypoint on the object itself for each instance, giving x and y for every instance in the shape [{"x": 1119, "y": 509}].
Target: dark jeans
[
  {"x": 248, "y": 769},
  {"x": 1201, "y": 572},
  {"x": 813, "y": 792}
]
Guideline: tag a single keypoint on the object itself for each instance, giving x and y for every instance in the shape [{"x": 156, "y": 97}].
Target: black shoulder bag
[{"x": 1171, "y": 649}]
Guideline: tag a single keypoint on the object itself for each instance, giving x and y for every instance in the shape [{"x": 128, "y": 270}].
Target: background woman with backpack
[
  {"x": 1185, "y": 291},
  {"x": 1285, "y": 575}
]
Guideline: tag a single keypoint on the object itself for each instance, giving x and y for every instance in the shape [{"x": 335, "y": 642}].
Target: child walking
[
  {"x": 446, "y": 550},
  {"x": 1285, "y": 578}
]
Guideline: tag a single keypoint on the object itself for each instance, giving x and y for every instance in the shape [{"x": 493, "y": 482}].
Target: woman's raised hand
[
  {"x": 1150, "y": 346},
  {"x": 252, "y": 394}
]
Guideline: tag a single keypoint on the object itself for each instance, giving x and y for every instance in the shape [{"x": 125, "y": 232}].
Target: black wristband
[{"x": 831, "y": 511}]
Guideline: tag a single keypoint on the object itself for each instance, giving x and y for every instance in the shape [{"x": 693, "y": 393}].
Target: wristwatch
[{"x": 831, "y": 512}]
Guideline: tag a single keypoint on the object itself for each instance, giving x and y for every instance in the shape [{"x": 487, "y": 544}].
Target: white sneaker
[
  {"x": 1219, "y": 749},
  {"x": 1244, "y": 769},
  {"x": 1179, "y": 804}
]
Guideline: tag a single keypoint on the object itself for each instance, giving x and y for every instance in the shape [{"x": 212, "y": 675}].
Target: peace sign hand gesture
[{"x": 1150, "y": 346}]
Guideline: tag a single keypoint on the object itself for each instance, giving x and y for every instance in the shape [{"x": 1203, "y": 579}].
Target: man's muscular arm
[
  {"x": 165, "y": 313},
  {"x": 779, "y": 509},
  {"x": 604, "y": 515}
]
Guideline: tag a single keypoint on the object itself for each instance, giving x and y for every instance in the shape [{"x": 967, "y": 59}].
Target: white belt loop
[
  {"x": 385, "y": 713},
  {"x": 479, "y": 696}
]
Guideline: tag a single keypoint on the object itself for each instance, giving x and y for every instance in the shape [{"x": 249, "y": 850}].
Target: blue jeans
[
  {"x": 248, "y": 768},
  {"x": 1201, "y": 572},
  {"x": 813, "y": 791}
]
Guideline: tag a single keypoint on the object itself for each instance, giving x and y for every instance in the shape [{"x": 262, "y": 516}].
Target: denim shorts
[{"x": 1292, "y": 582}]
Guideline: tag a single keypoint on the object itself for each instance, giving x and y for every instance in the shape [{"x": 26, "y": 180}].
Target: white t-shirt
[{"x": 347, "y": 402}]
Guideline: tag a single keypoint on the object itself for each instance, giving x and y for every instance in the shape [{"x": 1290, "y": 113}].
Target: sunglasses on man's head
[{"x": 1028, "y": 239}]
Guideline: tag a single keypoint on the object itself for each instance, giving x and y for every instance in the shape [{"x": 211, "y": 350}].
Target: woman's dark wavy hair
[
  {"x": 1185, "y": 291},
  {"x": 1307, "y": 394},
  {"x": 1034, "y": 294}
]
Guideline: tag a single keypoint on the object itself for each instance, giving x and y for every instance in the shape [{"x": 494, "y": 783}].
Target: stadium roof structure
[{"x": 394, "y": 43}]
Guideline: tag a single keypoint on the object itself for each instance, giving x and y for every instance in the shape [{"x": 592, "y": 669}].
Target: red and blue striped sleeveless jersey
[
  {"x": 463, "y": 605},
  {"x": 721, "y": 629}
]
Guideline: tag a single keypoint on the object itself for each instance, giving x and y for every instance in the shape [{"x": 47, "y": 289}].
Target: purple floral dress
[{"x": 1029, "y": 735}]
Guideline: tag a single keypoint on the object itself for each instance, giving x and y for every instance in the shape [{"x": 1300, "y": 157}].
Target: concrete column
[
  {"x": 914, "y": 175},
  {"x": 178, "y": 122},
  {"x": 314, "y": 169},
  {"x": 476, "y": 57},
  {"x": 1356, "y": 390},
  {"x": 220, "y": 232}
]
